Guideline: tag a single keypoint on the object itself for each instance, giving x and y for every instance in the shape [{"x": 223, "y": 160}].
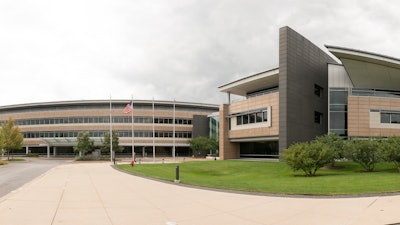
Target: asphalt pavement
[{"x": 17, "y": 173}]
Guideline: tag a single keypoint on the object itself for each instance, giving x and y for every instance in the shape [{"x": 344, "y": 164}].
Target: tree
[
  {"x": 390, "y": 150},
  {"x": 308, "y": 157},
  {"x": 201, "y": 145},
  {"x": 364, "y": 152},
  {"x": 85, "y": 144},
  {"x": 10, "y": 137},
  {"x": 115, "y": 142}
]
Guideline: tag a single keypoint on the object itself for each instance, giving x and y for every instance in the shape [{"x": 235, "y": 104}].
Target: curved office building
[{"x": 160, "y": 128}]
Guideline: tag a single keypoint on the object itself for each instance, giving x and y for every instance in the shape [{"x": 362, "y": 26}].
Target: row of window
[
  {"x": 256, "y": 117},
  {"x": 101, "y": 119},
  {"x": 100, "y": 133},
  {"x": 375, "y": 92}
]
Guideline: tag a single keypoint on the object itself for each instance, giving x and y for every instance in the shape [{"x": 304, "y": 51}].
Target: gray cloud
[{"x": 183, "y": 50}]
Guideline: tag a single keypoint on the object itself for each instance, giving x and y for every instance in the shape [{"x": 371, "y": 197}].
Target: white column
[
  {"x": 54, "y": 151},
  {"x": 48, "y": 151},
  {"x": 27, "y": 150}
]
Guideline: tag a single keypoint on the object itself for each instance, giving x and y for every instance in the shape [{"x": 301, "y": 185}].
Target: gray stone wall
[
  {"x": 200, "y": 126},
  {"x": 301, "y": 66}
]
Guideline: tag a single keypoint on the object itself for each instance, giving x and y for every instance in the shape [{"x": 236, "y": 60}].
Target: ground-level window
[{"x": 261, "y": 149}]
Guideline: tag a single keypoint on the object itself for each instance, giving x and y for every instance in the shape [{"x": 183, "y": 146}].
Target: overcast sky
[{"x": 168, "y": 49}]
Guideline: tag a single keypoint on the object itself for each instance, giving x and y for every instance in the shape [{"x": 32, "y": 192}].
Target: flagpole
[
  {"x": 111, "y": 147},
  {"x": 133, "y": 131},
  {"x": 154, "y": 136},
  {"x": 173, "y": 135}
]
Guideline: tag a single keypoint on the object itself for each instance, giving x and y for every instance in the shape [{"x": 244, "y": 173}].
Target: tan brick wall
[
  {"x": 359, "y": 122},
  {"x": 227, "y": 149},
  {"x": 231, "y": 150},
  {"x": 257, "y": 130}
]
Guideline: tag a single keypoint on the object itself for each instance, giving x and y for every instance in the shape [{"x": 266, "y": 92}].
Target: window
[
  {"x": 318, "y": 90},
  {"x": 338, "y": 120},
  {"x": 265, "y": 116},
  {"x": 252, "y": 118},
  {"x": 239, "y": 120},
  {"x": 395, "y": 118},
  {"x": 245, "y": 119},
  {"x": 258, "y": 116},
  {"x": 338, "y": 97},
  {"x": 317, "y": 117},
  {"x": 385, "y": 117},
  {"x": 390, "y": 117}
]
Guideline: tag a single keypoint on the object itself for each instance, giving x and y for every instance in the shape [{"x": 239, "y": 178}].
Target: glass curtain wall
[{"x": 338, "y": 111}]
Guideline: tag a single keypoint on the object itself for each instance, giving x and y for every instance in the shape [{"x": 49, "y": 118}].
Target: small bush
[
  {"x": 335, "y": 143},
  {"x": 308, "y": 157},
  {"x": 32, "y": 155},
  {"x": 390, "y": 150},
  {"x": 92, "y": 158},
  {"x": 364, "y": 152},
  {"x": 86, "y": 158}
]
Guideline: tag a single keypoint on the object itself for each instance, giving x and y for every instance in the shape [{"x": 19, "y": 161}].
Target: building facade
[
  {"x": 308, "y": 95},
  {"x": 160, "y": 128}
]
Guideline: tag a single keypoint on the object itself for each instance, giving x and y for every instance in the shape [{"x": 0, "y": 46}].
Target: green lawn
[{"x": 276, "y": 177}]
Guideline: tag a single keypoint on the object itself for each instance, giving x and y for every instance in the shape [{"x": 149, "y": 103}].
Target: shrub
[
  {"x": 32, "y": 155},
  {"x": 308, "y": 157},
  {"x": 335, "y": 143},
  {"x": 85, "y": 158},
  {"x": 364, "y": 152},
  {"x": 390, "y": 150}
]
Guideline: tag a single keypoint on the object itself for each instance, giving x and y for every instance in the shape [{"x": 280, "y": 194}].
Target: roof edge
[
  {"x": 332, "y": 47},
  {"x": 247, "y": 77}
]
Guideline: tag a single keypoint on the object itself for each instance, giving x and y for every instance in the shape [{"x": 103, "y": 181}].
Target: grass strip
[{"x": 276, "y": 177}]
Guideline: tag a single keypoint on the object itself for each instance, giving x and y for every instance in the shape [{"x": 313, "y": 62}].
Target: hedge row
[{"x": 325, "y": 150}]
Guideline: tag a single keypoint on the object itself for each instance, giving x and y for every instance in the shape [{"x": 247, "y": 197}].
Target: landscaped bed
[{"x": 276, "y": 177}]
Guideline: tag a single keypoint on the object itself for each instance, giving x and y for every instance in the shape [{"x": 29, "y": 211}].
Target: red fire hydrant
[{"x": 133, "y": 163}]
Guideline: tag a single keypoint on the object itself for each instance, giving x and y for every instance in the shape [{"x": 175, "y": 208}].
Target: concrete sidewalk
[{"x": 95, "y": 193}]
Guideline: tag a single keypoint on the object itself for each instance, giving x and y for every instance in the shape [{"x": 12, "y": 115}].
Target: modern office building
[
  {"x": 160, "y": 128},
  {"x": 310, "y": 94}
]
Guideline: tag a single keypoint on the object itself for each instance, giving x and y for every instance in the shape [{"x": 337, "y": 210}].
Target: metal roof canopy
[
  {"x": 68, "y": 141},
  {"x": 369, "y": 70},
  {"x": 259, "y": 81}
]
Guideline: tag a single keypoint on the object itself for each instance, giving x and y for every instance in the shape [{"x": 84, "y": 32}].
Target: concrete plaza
[{"x": 96, "y": 193}]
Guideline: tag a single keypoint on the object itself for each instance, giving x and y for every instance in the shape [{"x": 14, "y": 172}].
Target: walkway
[{"x": 95, "y": 193}]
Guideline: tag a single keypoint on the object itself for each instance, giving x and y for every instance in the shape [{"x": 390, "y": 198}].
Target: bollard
[{"x": 177, "y": 174}]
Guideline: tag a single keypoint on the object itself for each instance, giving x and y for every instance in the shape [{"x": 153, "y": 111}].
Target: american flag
[{"x": 128, "y": 108}]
